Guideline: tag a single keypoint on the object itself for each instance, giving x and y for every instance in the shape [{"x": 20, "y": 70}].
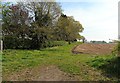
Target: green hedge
[
  {"x": 116, "y": 50},
  {"x": 54, "y": 43},
  {"x": 12, "y": 42}
]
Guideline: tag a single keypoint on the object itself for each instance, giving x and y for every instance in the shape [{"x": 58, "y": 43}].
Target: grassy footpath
[{"x": 81, "y": 65}]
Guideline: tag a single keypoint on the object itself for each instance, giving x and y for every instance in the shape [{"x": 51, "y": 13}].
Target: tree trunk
[{"x": 69, "y": 42}]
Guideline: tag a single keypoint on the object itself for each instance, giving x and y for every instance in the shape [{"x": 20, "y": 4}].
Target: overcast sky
[{"x": 98, "y": 17}]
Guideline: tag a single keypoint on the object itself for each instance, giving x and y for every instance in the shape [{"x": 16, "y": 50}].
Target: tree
[
  {"x": 45, "y": 17},
  {"x": 14, "y": 26},
  {"x": 68, "y": 29},
  {"x": 33, "y": 22}
]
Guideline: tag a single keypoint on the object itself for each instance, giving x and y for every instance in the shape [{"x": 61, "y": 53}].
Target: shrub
[
  {"x": 12, "y": 42},
  {"x": 116, "y": 51},
  {"x": 54, "y": 43}
]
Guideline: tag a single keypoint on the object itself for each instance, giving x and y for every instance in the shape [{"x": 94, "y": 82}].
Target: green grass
[
  {"x": 99, "y": 61},
  {"x": 109, "y": 64},
  {"x": 60, "y": 56},
  {"x": 14, "y": 60}
]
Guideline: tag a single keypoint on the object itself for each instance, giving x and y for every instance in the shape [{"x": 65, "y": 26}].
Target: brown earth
[
  {"x": 43, "y": 73},
  {"x": 89, "y": 48},
  {"x": 53, "y": 73}
]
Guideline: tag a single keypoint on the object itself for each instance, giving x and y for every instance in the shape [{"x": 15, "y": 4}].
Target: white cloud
[{"x": 100, "y": 21}]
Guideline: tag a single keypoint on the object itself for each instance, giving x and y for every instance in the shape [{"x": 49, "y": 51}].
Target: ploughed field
[{"x": 90, "y": 48}]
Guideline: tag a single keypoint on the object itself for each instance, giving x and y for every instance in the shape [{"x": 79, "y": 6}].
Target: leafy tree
[
  {"x": 45, "y": 16},
  {"x": 31, "y": 22},
  {"x": 14, "y": 25},
  {"x": 33, "y": 25},
  {"x": 68, "y": 29}
]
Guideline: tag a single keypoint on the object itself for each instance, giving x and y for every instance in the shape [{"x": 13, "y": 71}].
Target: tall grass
[
  {"x": 116, "y": 51},
  {"x": 110, "y": 64}
]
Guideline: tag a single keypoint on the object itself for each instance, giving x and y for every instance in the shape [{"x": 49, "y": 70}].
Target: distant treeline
[
  {"x": 33, "y": 25},
  {"x": 98, "y": 42}
]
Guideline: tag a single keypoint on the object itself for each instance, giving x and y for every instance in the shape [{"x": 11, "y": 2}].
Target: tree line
[{"x": 32, "y": 25}]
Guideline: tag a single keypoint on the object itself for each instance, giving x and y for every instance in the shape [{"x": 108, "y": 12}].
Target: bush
[
  {"x": 54, "y": 43},
  {"x": 118, "y": 48},
  {"x": 98, "y": 62},
  {"x": 9, "y": 42},
  {"x": 110, "y": 66},
  {"x": 12, "y": 42},
  {"x": 116, "y": 51}
]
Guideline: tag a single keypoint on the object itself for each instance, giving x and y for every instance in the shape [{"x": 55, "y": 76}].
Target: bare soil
[
  {"x": 53, "y": 73},
  {"x": 89, "y": 48},
  {"x": 46, "y": 73}
]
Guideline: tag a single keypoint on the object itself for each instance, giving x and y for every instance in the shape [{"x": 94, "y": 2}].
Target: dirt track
[
  {"x": 90, "y": 48},
  {"x": 44, "y": 73},
  {"x": 53, "y": 73}
]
